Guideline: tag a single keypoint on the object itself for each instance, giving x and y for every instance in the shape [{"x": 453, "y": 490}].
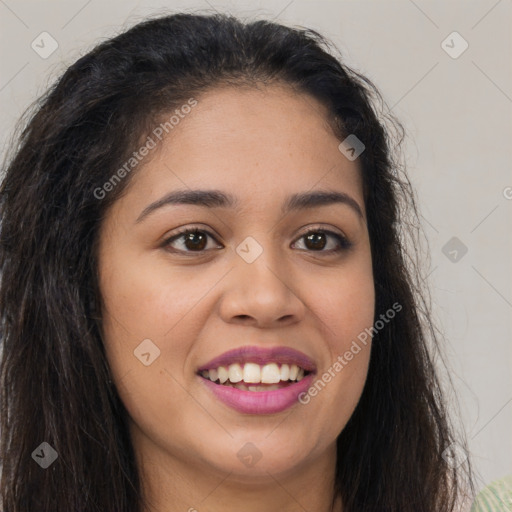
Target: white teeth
[
  {"x": 270, "y": 374},
  {"x": 254, "y": 387},
  {"x": 252, "y": 373},
  {"x": 223, "y": 374},
  {"x": 235, "y": 373}
]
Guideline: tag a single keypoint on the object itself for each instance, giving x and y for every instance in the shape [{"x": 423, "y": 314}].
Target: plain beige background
[{"x": 457, "y": 113}]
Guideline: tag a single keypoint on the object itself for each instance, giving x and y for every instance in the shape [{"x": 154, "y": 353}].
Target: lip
[
  {"x": 261, "y": 356},
  {"x": 260, "y": 402}
]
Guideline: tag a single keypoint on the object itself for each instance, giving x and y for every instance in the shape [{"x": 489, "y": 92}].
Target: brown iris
[
  {"x": 195, "y": 241},
  {"x": 317, "y": 240}
]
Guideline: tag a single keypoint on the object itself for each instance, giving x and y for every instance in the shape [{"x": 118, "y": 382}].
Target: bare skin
[{"x": 260, "y": 145}]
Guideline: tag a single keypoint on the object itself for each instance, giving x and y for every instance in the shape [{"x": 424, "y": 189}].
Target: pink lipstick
[{"x": 256, "y": 380}]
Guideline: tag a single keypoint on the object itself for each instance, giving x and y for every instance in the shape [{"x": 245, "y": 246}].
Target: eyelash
[{"x": 344, "y": 243}]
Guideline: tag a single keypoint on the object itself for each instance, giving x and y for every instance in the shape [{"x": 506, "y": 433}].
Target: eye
[
  {"x": 318, "y": 239},
  {"x": 191, "y": 240},
  {"x": 196, "y": 240}
]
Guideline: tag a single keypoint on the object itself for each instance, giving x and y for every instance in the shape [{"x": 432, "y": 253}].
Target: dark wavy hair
[{"x": 55, "y": 379}]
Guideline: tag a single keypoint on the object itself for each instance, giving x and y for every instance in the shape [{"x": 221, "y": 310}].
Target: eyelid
[{"x": 322, "y": 228}]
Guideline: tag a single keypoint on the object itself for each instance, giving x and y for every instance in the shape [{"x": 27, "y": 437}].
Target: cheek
[
  {"x": 140, "y": 305},
  {"x": 345, "y": 305},
  {"x": 345, "y": 308},
  {"x": 151, "y": 299},
  {"x": 140, "y": 312}
]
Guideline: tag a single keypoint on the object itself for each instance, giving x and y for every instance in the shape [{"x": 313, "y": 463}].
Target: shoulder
[{"x": 496, "y": 497}]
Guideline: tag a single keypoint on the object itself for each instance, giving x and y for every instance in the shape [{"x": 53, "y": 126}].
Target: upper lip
[{"x": 261, "y": 356}]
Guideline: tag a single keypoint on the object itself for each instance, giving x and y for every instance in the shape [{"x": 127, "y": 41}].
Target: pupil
[
  {"x": 317, "y": 240},
  {"x": 194, "y": 244}
]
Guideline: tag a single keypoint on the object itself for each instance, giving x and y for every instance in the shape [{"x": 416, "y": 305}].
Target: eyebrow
[{"x": 219, "y": 199}]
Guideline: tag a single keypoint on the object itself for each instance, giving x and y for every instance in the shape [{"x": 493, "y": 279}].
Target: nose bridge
[
  {"x": 259, "y": 286},
  {"x": 261, "y": 264}
]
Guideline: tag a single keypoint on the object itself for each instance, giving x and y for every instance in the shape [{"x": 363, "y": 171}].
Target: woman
[{"x": 206, "y": 300}]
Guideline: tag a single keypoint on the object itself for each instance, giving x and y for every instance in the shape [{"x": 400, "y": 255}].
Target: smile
[
  {"x": 254, "y": 380},
  {"x": 241, "y": 377}
]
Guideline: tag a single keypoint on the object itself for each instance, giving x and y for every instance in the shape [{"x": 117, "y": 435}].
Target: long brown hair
[{"x": 55, "y": 384}]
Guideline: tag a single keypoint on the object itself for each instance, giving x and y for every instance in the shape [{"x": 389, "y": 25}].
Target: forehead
[
  {"x": 277, "y": 116},
  {"x": 254, "y": 142}
]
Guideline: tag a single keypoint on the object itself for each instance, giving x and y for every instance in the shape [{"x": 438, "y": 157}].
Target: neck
[{"x": 176, "y": 484}]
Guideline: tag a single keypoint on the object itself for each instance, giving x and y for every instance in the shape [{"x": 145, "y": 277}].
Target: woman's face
[{"x": 263, "y": 285}]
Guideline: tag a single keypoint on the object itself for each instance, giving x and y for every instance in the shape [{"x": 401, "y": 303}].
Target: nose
[{"x": 261, "y": 294}]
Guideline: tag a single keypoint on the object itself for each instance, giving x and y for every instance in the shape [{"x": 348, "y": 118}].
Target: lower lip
[{"x": 260, "y": 402}]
